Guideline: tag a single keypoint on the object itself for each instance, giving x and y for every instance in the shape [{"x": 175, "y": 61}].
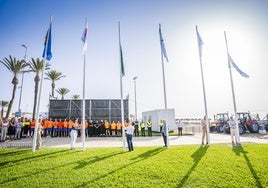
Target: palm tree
[
  {"x": 3, "y": 104},
  {"x": 53, "y": 76},
  {"x": 36, "y": 66},
  {"x": 75, "y": 97},
  {"x": 16, "y": 67},
  {"x": 63, "y": 91}
]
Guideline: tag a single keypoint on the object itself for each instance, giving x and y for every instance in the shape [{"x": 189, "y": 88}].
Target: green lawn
[{"x": 180, "y": 166}]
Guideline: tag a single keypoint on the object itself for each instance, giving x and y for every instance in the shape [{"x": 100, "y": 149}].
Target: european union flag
[{"x": 47, "y": 53}]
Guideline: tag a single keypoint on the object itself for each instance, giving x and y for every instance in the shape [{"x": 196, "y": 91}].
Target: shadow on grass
[
  {"x": 4, "y": 153},
  {"x": 140, "y": 158},
  {"x": 197, "y": 156},
  {"x": 82, "y": 164},
  {"x": 32, "y": 157},
  {"x": 149, "y": 153},
  {"x": 238, "y": 150},
  {"x": 38, "y": 157}
]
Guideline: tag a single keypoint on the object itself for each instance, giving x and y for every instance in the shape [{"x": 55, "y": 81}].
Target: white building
[{"x": 161, "y": 114}]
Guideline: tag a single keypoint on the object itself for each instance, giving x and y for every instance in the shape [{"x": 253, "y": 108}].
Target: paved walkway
[{"x": 92, "y": 142}]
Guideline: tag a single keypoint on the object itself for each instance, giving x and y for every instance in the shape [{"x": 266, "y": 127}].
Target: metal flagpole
[
  {"x": 83, "y": 101},
  {"x": 164, "y": 79},
  {"x": 121, "y": 92},
  {"x": 200, "y": 43},
  {"x": 233, "y": 94},
  {"x": 40, "y": 90}
]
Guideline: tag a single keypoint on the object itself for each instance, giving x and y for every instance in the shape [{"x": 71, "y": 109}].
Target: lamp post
[
  {"x": 25, "y": 57},
  {"x": 135, "y": 96}
]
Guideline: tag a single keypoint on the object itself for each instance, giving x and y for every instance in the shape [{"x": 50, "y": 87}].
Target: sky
[{"x": 245, "y": 22}]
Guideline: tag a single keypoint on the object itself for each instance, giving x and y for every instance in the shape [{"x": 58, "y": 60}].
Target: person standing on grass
[
  {"x": 73, "y": 133},
  {"x": 142, "y": 125},
  {"x": 149, "y": 127},
  {"x": 164, "y": 132},
  {"x": 204, "y": 130},
  {"x": 4, "y": 129},
  {"x": 180, "y": 125},
  {"x": 11, "y": 128},
  {"x": 18, "y": 129},
  {"x": 161, "y": 125},
  {"x": 129, "y": 134},
  {"x": 136, "y": 128},
  {"x": 39, "y": 134},
  {"x": 233, "y": 131}
]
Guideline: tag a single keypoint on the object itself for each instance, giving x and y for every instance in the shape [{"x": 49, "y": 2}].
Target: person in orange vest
[
  {"x": 55, "y": 128},
  {"x": 118, "y": 128},
  {"x": 107, "y": 128},
  {"x": 49, "y": 127},
  {"x": 86, "y": 128},
  {"x": 60, "y": 128},
  {"x": 45, "y": 126},
  {"x": 65, "y": 128},
  {"x": 113, "y": 128},
  {"x": 70, "y": 125},
  {"x": 127, "y": 123},
  {"x": 32, "y": 126}
]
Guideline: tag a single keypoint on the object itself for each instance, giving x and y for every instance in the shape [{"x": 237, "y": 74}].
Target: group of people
[{"x": 17, "y": 128}]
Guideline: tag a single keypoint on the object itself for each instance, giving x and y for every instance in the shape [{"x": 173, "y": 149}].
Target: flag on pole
[
  {"x": 231, "y": 62},
  {"x": 84, "y": 38},
  {"x": 162, "y": 44},
  {"x": 200, "y": 42},
  {"x": 121, "y": 61},
  {"x": 47, "y": 53}
]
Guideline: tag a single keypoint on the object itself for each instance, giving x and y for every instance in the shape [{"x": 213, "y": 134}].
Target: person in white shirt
[
  {"x": 129, "y": 133},
  {"x": 233, "y": 130},
  {"x": 4, "y": 129},
  {"x": 73, "y": 134}
]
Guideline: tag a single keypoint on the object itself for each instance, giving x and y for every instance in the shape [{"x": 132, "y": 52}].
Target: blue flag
[
  {"x": 162, "y": 44},
  {"x": 231, "y": 62},
  {"x": 47, "y": 53},
  {"x": 84, "y": 38},
  {"x": 199, "y": 41}
]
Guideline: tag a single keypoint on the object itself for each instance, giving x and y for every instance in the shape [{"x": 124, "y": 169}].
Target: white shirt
[
  {"x": 180, "y": 125},
  {"x": 130, "y": 129},
  {"x": 231, "y": 123}
]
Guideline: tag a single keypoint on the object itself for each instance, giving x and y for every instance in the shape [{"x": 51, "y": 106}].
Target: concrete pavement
[{"x": 93, "y": 142}]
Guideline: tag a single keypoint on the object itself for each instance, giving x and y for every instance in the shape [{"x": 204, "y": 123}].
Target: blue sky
[{"x": 245, "y": 21}]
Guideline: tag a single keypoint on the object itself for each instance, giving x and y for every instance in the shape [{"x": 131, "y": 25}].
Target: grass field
[{"x": 180, "y": 166}]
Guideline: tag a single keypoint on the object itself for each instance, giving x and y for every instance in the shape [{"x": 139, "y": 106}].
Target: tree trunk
[
  {"x": 15, "y": 83},
  {"x": 53, "y": 88},
  {"x": 36, "y": 80}
]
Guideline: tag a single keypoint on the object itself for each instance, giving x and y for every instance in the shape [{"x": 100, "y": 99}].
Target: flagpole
[
  {"x": 121, "y": 92},
  {"x": 40, "y": 92},
  {"x": 83, "y": 101},
  {"x": 203, "y": 84},
  {"x": 164, "y": 80},
  {"x": 232, "y": 86}
]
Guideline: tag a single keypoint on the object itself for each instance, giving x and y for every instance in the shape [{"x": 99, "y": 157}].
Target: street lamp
[
  {"x": 135, "y": 96},
  {"x": 25, "y": 57}
]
